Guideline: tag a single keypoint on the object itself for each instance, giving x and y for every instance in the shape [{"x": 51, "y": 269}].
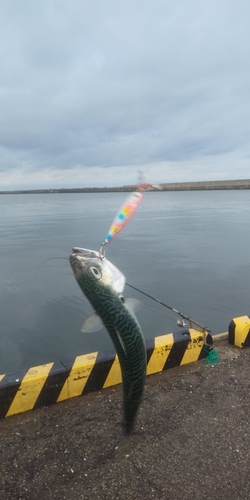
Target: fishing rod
[
  {"x": 122, "y": 217},
  {"x": 204, "y": 328}
]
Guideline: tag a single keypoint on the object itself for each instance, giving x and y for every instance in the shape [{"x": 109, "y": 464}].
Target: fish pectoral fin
[
  {"x": 133, "y": 305},
  {"x": 92, "y": 324}
]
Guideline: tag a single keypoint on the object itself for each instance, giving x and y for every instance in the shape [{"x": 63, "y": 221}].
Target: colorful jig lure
[{"x": 123, "y": 216}]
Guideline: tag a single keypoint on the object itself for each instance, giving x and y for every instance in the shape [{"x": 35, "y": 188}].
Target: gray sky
[{"x": 91, "y": 91}]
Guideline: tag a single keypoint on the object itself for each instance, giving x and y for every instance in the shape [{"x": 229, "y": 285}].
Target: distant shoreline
[{"x": 174, "y": 186}]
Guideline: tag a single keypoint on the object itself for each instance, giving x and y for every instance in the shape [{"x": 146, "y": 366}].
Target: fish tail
[
  {"x": 129, "y": 420},
  {"x": 132, "y": 402}
]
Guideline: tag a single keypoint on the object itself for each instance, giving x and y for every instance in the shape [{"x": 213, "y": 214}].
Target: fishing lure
[{"x": 124, "y": 215}]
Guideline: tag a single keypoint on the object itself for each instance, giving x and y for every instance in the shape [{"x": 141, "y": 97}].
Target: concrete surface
[{"x": 192, "y": 440}]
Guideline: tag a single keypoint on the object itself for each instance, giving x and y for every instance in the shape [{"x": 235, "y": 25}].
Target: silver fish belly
[{"x": 102, "y": 283}]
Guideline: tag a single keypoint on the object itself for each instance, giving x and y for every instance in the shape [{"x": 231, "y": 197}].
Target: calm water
[{"x": 188, "y": 249}]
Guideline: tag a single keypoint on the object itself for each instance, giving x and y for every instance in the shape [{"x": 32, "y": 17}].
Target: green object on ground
[{"x": 212, "y": 357}]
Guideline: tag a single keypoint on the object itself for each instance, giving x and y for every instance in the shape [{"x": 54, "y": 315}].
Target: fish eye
[{"x": 96, "y": 272}]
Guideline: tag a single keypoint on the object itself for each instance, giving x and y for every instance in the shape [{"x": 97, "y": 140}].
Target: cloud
[{"x": 95, "y": 90}]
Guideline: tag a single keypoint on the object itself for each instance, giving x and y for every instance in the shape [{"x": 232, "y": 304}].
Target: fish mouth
[
  {"x": 86, "y": 253},
  {"x": 81, "y": 258}
]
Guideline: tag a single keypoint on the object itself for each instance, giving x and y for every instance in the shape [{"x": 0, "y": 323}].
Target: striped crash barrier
[
  {"x": 57, "y": 381},
  {"x": 239, "y": 331}
]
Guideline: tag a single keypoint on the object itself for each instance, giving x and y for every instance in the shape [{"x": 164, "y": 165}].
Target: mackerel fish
[{"x": 102, "y": 283}]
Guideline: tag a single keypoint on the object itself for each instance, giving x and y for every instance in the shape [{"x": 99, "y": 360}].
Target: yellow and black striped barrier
[
  {"x": 239, "y": 331},
  {"x": 54, "y": 382}
]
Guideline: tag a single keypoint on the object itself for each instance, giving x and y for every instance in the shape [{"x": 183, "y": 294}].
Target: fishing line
[
  {"x": 51, "y": 258},
  {"x": 184, "y": 316}
]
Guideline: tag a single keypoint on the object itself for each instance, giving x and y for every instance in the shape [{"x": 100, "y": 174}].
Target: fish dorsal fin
[
  {"x": 92, "y": 324},
  {"x": 133, "y": 305}
]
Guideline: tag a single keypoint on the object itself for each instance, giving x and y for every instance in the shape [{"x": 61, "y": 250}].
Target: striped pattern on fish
[{"x": 103, "y": 284}]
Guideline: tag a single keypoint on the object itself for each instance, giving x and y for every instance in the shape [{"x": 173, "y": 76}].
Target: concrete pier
[
  {"x": 191, "y": 440},
  {"x": 206, "y": 185},
  {"x": 172, "y": 186}
]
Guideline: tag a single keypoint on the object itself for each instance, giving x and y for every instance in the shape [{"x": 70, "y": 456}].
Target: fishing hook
[{"x": 101, "y": 251}]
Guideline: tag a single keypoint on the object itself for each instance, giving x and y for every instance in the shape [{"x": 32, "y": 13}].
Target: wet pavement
[{"x": 191, "y": 441}]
